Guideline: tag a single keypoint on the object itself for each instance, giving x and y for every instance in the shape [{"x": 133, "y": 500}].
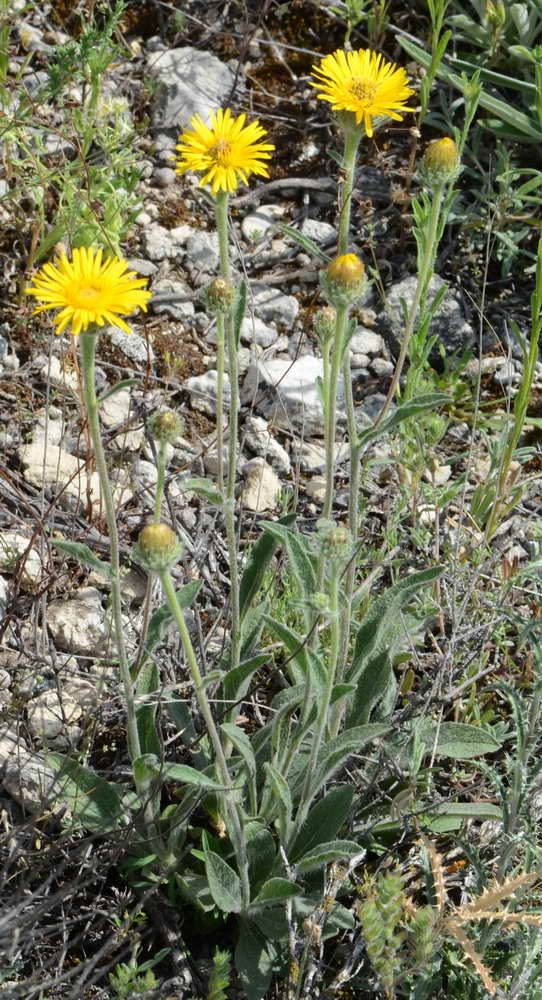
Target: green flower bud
[
  {"x": 344, "y": 281},
  {"x": 440, "y": 164},
  {"x": 324, "y": 323},
  {"x": 165, "y": 425},
  {"x": 157, "y": 548},
  {"x": 219, "y": 296},
  {"x": 335, "y": 540}
]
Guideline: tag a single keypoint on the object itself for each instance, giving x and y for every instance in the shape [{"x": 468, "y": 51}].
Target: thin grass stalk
[{"x": 238, "y": 838}]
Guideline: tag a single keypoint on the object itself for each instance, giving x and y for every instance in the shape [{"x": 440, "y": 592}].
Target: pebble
[
  {"x": 262, "y": 486},
  {"x": 164, "y": 177}
]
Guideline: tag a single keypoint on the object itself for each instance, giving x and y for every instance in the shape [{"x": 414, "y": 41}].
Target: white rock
[
  {"x": 312, "y": 456},
  {"x": 52, "y": 719},
  {"x": 315, "y": 488},
  {"x": 272, "y": 306},
  {"x": 202, "y": 251},
  {"x": 13, "y": 546},
  {"x": 161, "y": 243},
  {"x": 77, "y": 625},
  {"x": 366, "y": 341},
  {"x": 47, "y": 465},
  {"x": 179, "y": 310},
  {"x": 318, "y": 231},
  {"x": 358, "y": 361},
  {"x": 3, "y": 596},
  {"x": 133, "y": 345},
  {"x": 48, "y": 425},
  {"x": 381, "y": 367},
  {"x": 51, "y": 369},
  {"x": 285, "y": 392},
  {"x": 192, "y": 81},
  {"x": 439, "y": 475},
  {"x": 258, "y": 439},
  {"x": 255, "y": 331},
  {"x": 202, "y": 392},
  {"x": 10, "y": 744},
  {"x": 114, "y": 412},
  {"x": 262, "y": 486},
  {"x": 257, "y": 224},
  {"x": 29, "y": 780}
]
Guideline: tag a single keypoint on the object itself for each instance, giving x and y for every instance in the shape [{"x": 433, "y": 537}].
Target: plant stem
[
  {"x": 238, "y": 839},
  {"x": 309, "y": 792},
  {"x": 149, "y": 800},
  {"x": 521, "y": 402},
  {"x": 160, "y": 481},
  {"x": 421, "y": 291},
  {"x": 220, "y": 401},
  {"x": 229, "y": 506},
  {"x": 352, "y": 138},
  {"x": 88, "y": 349}
]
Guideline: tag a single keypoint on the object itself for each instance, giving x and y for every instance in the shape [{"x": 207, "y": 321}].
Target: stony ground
[{"x": 57, "y": 687}]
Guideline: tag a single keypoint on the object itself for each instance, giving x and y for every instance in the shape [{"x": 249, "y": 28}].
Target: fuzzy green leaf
[
  {"x": 458, "y": 740},
  {"x": 299, "y": 553},
  {"x": 335, "y": 850},
  {"x": 83, "y": 555},
  {"x": 324, "y": 821},
  {"x": 204, "y": 488},
  {"x": 276, "y": 890},
  {"x": 260, "y": 556},
  {"x": 224, "y": 883},
  {"x": 95, "y": 804},
  {"x": 254, "y": 961}
]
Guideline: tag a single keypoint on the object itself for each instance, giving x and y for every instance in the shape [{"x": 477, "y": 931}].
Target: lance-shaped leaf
[
  {"x": 81, "y": 552},
  {"x": 224, "y": 883},
  {"x": 324, "y": 854},
  {"x": 299, "y": 553},
  {"x": 323, "y": 822},
  {"x": 95, "y": 804},
  {"x": 378, "y": 640},
  {"x": 259, "y": 558}
]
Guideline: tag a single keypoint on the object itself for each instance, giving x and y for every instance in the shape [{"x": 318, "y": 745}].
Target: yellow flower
[
  {"x": 363, "y": 83},
  {"x": 89, "y": 290},
  {"x": 228, "y": 151}
]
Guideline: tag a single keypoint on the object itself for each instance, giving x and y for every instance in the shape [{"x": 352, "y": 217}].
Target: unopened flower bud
[
  {"x": 319, "y": 603},
  {"x": 335, "y": 540},
  {"x": 343, "y": 281},
  {"x": 324, "y": 323},
  {"x": 165, "y": 425},
  {"x": 157, "y": 548},
  {"x": 219, "y": 296},
  {"x": 440, "y": 164}
]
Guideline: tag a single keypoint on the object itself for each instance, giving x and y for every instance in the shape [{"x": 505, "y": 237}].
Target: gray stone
[
  {"x": 381, "y": 367},
  {"x": 320, "y": 232},
  {"x": 286, "y": 392},
  {"x": 4, "y": 347},
  {"x": 48, "y": 424},
  {"x": 272, "y": 306},
  {"x": 133, "y": 345},
  {"x": 312, "y": 455},
  {"x": 262, "y": 486},
  {"x": 257, "y": 224},
  {"x": 115, "y": 411},
  {"x": 202, "y": 392},
  {"x": 77, "y": 625},
  {"x": 161, "y": 243},
  {"x": 3, "y": 596},
  {"x": 258, "y": 439},
  {"x": 53, "y": 715},
  {"x": 143, "y": 267},
  {"x": 255, "y": 331},
  {"x": 13, "y": 546},
  {"x": 202, "y": 251},
  {"x": 366, "y": 341},
  {"x": 164, "y": 177},
  {"x": 191, "y": 81},
  {"x": 30, "y": 781},
  {"x": 170, "y": 286},
  {"x": 454, "y": 333}
]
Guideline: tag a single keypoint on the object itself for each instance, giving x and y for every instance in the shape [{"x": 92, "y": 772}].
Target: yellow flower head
[
  {"x": 89, "y": 290},
  {"x": 363, "y": 83},
  {"x": 228, "y": 150}
]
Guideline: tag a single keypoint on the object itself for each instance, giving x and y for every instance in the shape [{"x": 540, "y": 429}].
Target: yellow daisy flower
[
  {"x": 89, "y": 290},
  {"x": 363, "y": 83},
  {"x": 228, "y": 150}
]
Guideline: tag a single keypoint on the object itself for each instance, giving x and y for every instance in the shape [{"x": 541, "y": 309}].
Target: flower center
[
  {"x": 85, "y": 297},
  {"x": 220, "y": 153},
  {"x": 362, "y": 90}
]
